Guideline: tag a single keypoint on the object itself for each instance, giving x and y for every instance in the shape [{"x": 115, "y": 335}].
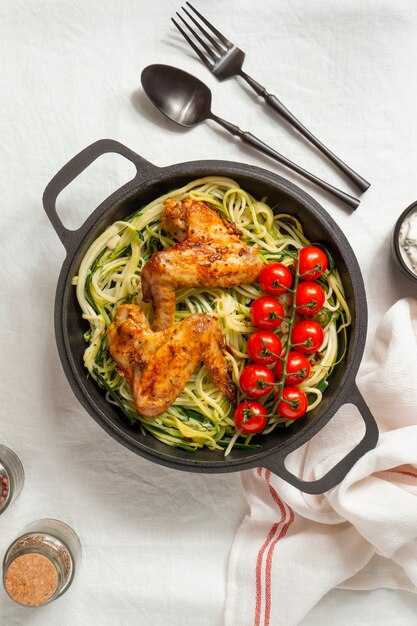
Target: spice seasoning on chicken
[
  {"x": 31, "y": 579},
  {"x": 210, "y": 252}
]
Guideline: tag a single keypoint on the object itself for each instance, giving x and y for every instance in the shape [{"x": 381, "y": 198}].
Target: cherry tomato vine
[{"x": 290, "y": 365}]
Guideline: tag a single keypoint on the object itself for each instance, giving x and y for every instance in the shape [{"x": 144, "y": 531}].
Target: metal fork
[{"x": 224, "y": 60}]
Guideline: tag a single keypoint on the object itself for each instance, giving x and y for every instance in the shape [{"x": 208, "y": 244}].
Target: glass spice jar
[
  {"x": 39, "y": 566},
  {"x": 11, "y": 477}
]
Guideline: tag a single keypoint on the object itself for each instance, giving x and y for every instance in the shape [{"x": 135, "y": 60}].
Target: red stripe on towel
[
  {"x": 405, "y": 473},
  {"x": 270, "y": 541},
  {"x": 259, "y": 560},
  {"x": 270, "y": 553},
  {"x": 259, "y": 574}
]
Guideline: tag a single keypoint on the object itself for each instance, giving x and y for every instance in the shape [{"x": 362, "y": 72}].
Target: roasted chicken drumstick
[
  {"x": 157, "y": 365},
  {"x": 210, "y": 254}
]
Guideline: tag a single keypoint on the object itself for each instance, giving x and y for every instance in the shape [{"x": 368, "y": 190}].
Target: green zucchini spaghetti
[{"x": 110, "y": 275}]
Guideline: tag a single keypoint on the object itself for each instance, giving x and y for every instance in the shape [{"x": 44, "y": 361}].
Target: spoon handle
[
  {"x": 256, "y": 143},
  {"x": 280, "y": 108}
]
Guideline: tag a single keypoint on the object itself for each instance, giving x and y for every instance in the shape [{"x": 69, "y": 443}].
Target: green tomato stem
[
  {"x": 310, "y": 305},
  {"x": 290, "y": 323}
]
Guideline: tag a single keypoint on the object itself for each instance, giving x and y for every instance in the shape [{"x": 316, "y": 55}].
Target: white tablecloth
[{"x": 156, "y": 541}]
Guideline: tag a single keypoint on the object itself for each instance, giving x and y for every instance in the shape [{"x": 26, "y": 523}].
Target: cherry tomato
[
  {"x": 297, "y": 369},
  {"x": 309, "y": 298},
  {"x": 250, "y": 417},
  {"x": 313, "y": 263},
  {"x": 307, "y": 336},
  {"x": 293, "y": 403},
  {"x": 275, "y": 279},
  {"x": 266, "y": 313},
  {"x": 256, "y": 380},
  {"x": 264, "y": 347}
]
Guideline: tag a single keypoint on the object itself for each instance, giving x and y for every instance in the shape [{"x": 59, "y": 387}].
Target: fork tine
[
  {"x": 214, "y": 30},
  {"x": 211, "y": 39},
  {"x": 196, "y": 49},
  {"x": 211, "y": 53}
]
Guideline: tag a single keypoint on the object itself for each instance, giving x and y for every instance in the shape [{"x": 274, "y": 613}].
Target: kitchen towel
[{"x": 292, "y": 548}]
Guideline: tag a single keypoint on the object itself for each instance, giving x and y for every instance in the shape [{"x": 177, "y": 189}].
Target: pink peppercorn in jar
[
  {"x": 11, "y": 477},
  {"x": 39, "y": 566}
]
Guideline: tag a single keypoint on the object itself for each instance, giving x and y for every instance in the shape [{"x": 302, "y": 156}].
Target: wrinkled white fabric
[
  {"x": 156, "y": 542},
  {"x": 292, "y": 548}
]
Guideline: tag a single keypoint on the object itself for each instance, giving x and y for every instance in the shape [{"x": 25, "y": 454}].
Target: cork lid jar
[{"x": 39, "y": 566}]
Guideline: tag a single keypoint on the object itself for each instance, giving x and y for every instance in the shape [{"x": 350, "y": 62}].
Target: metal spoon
[{"x": 184, "y": 99}]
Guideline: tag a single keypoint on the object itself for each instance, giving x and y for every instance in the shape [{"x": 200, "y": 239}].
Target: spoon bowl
[{"x": 183, "y": 98}]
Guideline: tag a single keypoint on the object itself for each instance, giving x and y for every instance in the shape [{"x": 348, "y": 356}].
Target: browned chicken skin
[
  {"x": 158, "y": 365},
  {"x": 210, "y": 254}
]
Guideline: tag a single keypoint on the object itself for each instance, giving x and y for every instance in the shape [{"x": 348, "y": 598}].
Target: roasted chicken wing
[
  {"x": 158, "y": 365},
  {"x": 210, "y": 253}
]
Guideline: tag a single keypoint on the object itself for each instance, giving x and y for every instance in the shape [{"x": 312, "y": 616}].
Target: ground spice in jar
[
  {"x": 11, "y": 477},
  {"x": 4, "y": 488},
  {"x": 32, "y": 579},
  {"x": 40, "y": 564}
]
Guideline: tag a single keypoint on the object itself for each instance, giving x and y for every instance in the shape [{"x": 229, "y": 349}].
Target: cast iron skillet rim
[{"x": 206, "y": 168}]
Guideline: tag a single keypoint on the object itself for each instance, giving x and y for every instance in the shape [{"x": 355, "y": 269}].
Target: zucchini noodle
[{"x": 109, "y": 275}]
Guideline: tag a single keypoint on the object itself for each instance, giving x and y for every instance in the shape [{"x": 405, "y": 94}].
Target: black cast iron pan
[{"x": 150, "y": 182}]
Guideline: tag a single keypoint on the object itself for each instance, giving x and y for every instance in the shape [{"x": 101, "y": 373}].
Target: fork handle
[
  {"x": 277, "y": 105},
  {"x": 253, "y": 141}
]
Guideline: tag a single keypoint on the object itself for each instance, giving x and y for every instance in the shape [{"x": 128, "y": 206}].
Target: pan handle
[
  {"x": 338, "y": 472},
  {"x": 73, "y": 168}
]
